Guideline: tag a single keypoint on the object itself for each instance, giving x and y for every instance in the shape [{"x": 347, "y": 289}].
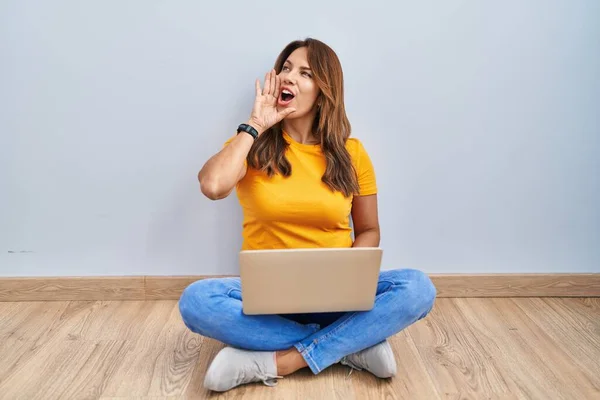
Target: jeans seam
[
  {"x": 312, "y": 362},
  {"x": 300, "y": 347},
  {"x": 305, "y": 352}
]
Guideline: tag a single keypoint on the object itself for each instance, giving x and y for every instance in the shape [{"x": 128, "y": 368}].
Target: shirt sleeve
[{"x": 367, "y": 181}]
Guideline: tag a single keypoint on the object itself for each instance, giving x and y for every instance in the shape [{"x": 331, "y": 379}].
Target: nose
[
  {"x": 289, "y": 78},
  {"x": 288, "y": 81}
]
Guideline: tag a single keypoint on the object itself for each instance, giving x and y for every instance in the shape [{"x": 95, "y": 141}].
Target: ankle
[{"x": 289, "y": 361}]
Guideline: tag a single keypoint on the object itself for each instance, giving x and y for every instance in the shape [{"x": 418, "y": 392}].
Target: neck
[{"x": 300, "y": 129}]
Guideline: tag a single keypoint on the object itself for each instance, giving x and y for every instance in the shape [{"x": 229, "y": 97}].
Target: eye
[
  {"x": 307, "y": 74},
  {"x": 285, "y": 68}
]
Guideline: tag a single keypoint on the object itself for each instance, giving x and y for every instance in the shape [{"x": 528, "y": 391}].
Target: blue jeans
[{"x": 213, "y": 308}]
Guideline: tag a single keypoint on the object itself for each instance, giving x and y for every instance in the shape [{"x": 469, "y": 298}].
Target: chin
[{"x": 295, "y": 115}]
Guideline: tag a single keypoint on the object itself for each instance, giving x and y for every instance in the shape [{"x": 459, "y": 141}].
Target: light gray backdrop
[{"x": 482, "y": 121}]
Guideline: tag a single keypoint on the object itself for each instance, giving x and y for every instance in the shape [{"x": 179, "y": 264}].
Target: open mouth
[{"x": 285, "y": 97}]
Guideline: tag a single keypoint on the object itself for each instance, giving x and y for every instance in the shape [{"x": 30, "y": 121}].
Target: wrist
[
  {"x": 256, "y": 125},
  {"x": 249, "y": 129}
]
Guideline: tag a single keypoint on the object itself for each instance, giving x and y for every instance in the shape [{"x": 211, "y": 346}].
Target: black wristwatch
[{"x": 248, "y": 129}]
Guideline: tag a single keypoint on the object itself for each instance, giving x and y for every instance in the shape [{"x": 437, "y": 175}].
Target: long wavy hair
[{"x": 331, "y": 124}]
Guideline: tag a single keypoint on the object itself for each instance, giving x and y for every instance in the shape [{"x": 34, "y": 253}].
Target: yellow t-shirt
[{"x": 300, "y": 211}]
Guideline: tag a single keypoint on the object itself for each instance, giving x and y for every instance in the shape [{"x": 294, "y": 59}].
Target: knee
[
  {"x": 417, "y": 289},
  {"x": 422, "y": 292},
  {"x": 195, "y": 304}
]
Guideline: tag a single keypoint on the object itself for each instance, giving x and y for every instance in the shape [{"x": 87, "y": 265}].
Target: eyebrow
[{"x": 292, "y": 64}]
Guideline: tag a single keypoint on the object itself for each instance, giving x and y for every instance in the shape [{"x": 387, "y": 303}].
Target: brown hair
[{"x": 331, "y": 124}]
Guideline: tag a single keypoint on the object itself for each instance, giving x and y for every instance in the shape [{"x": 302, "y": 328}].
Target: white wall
[{"x": 482, "y": 120}]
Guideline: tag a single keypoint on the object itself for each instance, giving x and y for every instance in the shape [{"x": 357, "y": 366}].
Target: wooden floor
[{"x": 467, "y": 348}]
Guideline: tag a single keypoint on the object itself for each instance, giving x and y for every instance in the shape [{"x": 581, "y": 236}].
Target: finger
[
  {"x": 277, "y": 86},
  {"x": 267, "y": 87},
  {"x": 285, "y": 112},
  {"x": 257, "y": 86},
  {"x": 273, "y": 82}
]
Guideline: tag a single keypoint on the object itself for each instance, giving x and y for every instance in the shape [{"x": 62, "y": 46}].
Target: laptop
[{"x": 292, "y": 281}]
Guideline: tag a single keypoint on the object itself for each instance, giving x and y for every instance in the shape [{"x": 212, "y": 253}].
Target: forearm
[
  {"x": 222, "y": 171},
  {"x": 368, "y": 238}
]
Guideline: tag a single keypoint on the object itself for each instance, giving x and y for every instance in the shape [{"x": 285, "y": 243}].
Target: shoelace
[
  {"x": 350, "y": 364},
  {"x": 270, "y": 380}
]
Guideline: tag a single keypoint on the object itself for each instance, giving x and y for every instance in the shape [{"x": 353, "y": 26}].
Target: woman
[{"x": 299, "y": 177}]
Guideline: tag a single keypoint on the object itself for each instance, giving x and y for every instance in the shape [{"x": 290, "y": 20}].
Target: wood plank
[
  {"x": 498, "y": 344},
  {"x": 581, "y": 313},
  {"x": 91, "y": 377},
  {"x": 195, "y": 389},
  {"x": 467, "y": 348},
  {"x": 412, "y": 379},
  {"x": 334, "y": 382},
  {"x": 113, "y": 288},
  {"x": 144, "y": 398},
  {"x": 140, "y": 367},
  {"x": 13, "y": 353},
  {"x": 175, "y": 364},
  {"x": 14, "y": 317},
  {"x": 114, "y": 320},
  {"x": 537, "y": 365},
  {"x": 72, "y": 288},
  {"x": 581, "y": 346},
  {"x": 457, "y": 362},
  {"x": 171, "y": 287},
  {"x": 41, "y": 335},
  {"x": 44, "y": 367},
  {"x": 517, "y": 285}
]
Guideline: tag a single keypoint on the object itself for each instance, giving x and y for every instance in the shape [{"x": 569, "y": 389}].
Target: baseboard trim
[{"x": 170, "y": 287}]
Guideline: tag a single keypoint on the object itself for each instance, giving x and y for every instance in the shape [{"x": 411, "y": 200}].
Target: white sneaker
[
  {"x": 233, "y": 367},
  {"x": 378, "y": 360}
]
